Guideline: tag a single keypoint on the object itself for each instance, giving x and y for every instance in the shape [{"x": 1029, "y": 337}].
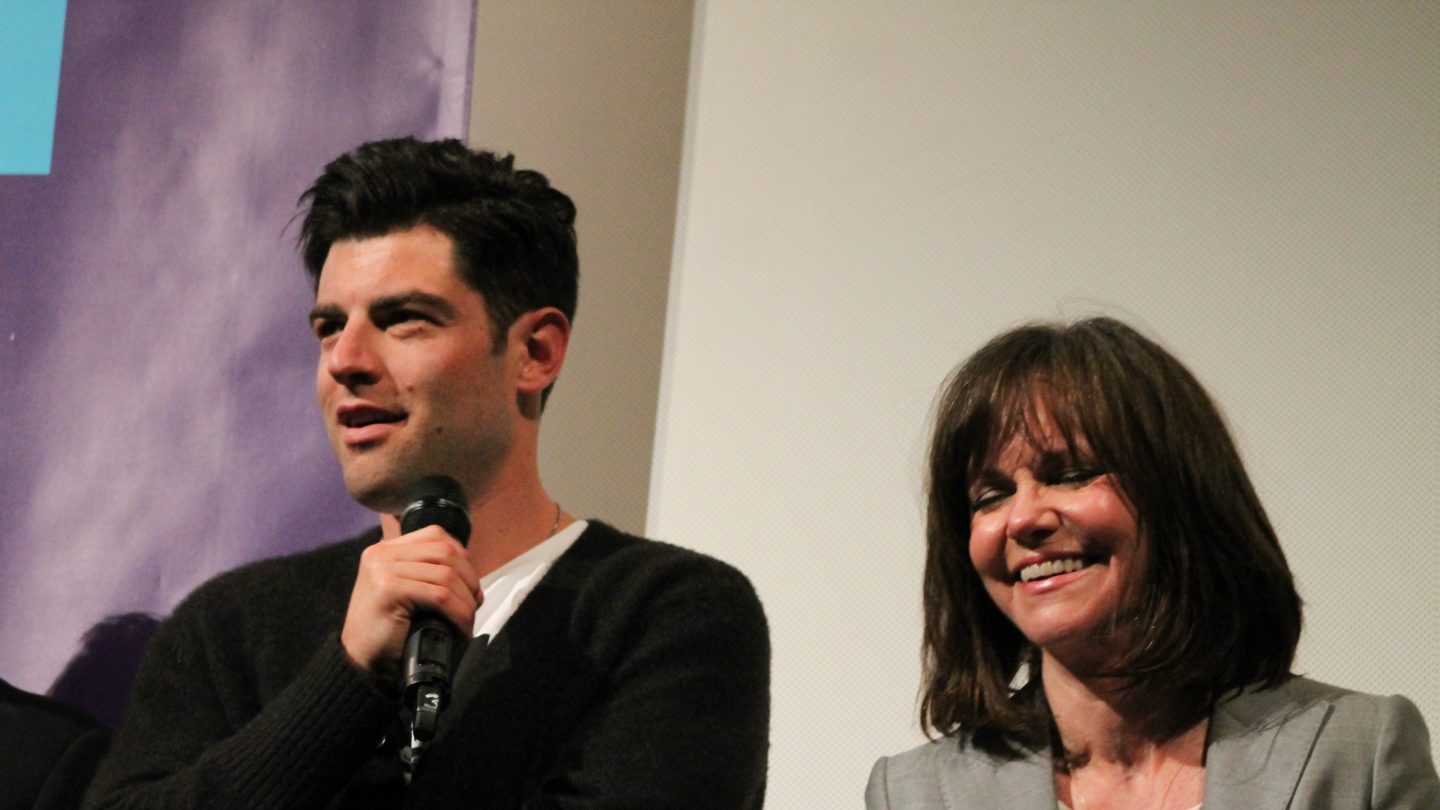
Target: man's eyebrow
[
  {"x": 325, "y": 311},
  {"x": 389, "y": 303},
  {"x": 412, "y": 298}
]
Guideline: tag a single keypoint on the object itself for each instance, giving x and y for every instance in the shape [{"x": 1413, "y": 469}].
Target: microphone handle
[
  {"x": 432, "y": 643},
  {"x": 430, "y": 654}
]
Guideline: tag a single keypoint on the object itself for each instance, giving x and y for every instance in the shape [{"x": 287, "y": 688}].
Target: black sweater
[{"x": 635, "y": 675}]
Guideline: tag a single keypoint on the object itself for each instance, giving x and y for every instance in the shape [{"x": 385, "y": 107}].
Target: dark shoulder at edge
[{"x": 20, "y": 701}]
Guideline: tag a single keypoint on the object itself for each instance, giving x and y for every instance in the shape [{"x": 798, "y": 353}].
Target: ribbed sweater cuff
[{"x": 318, "y": 732}]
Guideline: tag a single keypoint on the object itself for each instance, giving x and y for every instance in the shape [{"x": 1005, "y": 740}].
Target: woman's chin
[{"x": 1081, "y": 649}]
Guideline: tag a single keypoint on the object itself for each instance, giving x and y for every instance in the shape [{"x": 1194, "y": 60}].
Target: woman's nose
[{"x": 1031, "y": 517}]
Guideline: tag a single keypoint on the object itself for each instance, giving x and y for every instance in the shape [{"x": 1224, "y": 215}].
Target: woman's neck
[{"x": 1101, "y": 721}]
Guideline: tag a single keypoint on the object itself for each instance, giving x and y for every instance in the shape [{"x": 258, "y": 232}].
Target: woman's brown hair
[{"x": 1216, "y": 610}]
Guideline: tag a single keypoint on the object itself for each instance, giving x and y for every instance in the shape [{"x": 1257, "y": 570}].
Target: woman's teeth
[{"x": 1050, "y": 568}]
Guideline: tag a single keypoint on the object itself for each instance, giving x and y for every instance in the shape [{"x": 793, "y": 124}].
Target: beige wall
[
  {"x": 873, "y": 189},
  {"x": 593, "y": 96}
]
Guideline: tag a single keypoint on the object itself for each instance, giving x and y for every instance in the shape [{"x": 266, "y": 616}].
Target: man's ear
[{"x": 543, "y": 335}]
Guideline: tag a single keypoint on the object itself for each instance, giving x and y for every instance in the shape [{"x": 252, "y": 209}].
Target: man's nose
[
  {"x": 1031, "y": 518},
  {"x": 351, "y": 359}
]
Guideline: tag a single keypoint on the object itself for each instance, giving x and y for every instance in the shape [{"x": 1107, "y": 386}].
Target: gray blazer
[{"x": 1302, "y": 746}]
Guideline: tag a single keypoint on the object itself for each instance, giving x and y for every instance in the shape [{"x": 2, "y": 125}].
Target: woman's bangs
[{"x": 1033, "y": 407}]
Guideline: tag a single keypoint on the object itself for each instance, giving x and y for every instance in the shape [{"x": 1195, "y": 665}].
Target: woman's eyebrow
[{"x": 986, "y": 476}]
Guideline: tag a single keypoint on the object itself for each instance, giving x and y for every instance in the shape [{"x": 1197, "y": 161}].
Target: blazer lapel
[
  {"x": 1027, "y": 783},
  {"x": 1259, "y": 745}
]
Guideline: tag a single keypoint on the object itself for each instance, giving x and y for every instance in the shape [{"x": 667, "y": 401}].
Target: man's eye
[
  {"x": 324, "y": 329},
  {"x": 407, "y": 316}
]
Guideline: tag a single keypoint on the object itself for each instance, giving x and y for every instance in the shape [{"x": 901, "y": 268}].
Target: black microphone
[{"x": 432, "y": 643}]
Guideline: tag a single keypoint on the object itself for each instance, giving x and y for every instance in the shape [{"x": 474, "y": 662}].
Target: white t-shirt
[{"x": 507, "y": 586}]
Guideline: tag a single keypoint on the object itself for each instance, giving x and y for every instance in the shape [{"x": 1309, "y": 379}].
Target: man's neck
[{"x": 507, "y": 520}]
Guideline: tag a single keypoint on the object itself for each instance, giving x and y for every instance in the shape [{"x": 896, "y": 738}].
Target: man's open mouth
[{"x": 360, "y": 417}]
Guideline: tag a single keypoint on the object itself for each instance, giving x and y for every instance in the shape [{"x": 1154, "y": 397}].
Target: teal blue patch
[{"x": 31, "y": 35}]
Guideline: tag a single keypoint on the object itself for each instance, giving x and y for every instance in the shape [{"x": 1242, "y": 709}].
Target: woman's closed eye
[
  {"x": 988, "y": 497},
  {"x": 1077, "y": 475}
]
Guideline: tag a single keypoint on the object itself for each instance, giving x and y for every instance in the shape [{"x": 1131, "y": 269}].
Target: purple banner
[{"x": 156, "y": 368}]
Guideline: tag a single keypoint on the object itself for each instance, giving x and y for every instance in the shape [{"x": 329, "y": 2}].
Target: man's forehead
[{"x": 419, "y": 258}]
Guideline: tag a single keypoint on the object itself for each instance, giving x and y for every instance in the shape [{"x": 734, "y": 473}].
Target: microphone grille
[{"x": 437, "y": 500}]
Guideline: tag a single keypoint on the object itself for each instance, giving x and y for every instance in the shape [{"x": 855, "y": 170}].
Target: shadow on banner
[{"x": 98, "y": 679}]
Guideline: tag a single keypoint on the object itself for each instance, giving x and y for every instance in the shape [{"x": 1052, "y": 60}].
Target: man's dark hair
[
  {"x": 1216, "y": 608},
  {"x": 514, "y": 235}
]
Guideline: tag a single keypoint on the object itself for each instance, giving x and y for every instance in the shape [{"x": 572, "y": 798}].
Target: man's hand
[{"x": 399, "y": 577}]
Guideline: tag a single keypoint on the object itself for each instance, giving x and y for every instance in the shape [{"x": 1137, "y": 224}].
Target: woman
[{"x": 1109, "y": 619}]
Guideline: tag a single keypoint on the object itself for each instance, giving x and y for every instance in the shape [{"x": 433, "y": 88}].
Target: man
[{"x": 608, "y": 671}]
